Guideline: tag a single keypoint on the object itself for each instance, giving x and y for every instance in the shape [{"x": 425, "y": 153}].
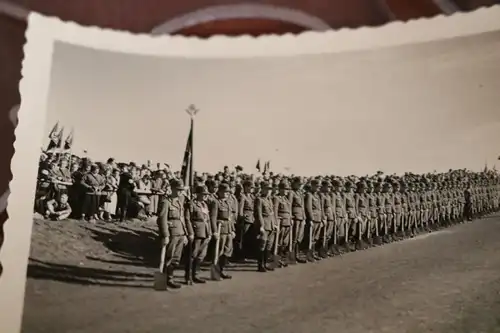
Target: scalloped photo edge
[{"x": 43, "y": 32}]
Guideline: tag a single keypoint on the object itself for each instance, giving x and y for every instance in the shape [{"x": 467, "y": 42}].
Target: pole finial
[{"x": 192, "y": 110}]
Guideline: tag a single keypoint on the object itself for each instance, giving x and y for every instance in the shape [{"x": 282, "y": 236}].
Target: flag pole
[
  {"x": 70, "y": 147},
  {"x": 61, "y": 146},
  {"x": 191, "y": 111}
]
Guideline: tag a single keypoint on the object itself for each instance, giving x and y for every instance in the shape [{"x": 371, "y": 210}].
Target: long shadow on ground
[
  {"x": 134, "y": 247},
  {"x": 139, "y": 247},
  {"x": 41, "y": 270}
]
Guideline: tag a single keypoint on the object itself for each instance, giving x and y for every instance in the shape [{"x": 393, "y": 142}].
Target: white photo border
[{"x": 43, "y": 32}]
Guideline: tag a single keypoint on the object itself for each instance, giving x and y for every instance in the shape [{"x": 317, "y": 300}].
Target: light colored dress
[{"x": 110, "y": 207}]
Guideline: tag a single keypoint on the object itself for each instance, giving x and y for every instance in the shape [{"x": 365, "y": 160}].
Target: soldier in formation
[{"x": 283, "y": 221}]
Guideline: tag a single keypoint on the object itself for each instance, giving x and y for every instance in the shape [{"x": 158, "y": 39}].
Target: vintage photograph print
[{"x": 353, "y": 191}]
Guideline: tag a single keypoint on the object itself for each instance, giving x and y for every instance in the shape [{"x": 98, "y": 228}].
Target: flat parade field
[{"x": 97, "y": 278}]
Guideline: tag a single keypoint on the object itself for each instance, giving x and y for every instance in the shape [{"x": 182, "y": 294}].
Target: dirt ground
[{"x": 97, "y": 278}]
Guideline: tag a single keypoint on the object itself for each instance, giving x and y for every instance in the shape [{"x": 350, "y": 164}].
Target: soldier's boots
[
  {"x": 283, "y": 262},
  {"x": 222, "y": 264},
  {"x": 301, "y": 260},
  {"x": 261, "y": 262},
  {"x": 319, "y": 252},
  {"x": 310, "y": 256},
  {"x": 403, "y": 234},
  {"x": 170, "y": 278},
  {"x": 298, "y": 256},
  {"x": 332, "y": 250},
  {"x": 365, "y": 243},
  {"x": 269, "y": 260},
  {"x": 345, "y": 247},
  {"x": 284, "y": 256},
  {"x": 291, "y": 258},
  {"x": 195, "y": 270},
  {"x": 387, "y": 238}
]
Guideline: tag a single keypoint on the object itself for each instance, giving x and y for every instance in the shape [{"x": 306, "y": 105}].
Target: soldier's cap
[
  {"x": 224, "y": 187},
  {"x": 336, "y": 183},
  {"x": 361, "y": 184},
  {"x": 348, "y": 184},
  {"x": 378, "y": 185},
  {"x": 200, "y": 189},
  {"x": 265, "y": 185},
  {"x": 248, "y": 183},
  {"x": 326, "y": 183},
  {"x": 314, "y": 182},
  {"x": 211, "y": 183},
  {"x": 284, "y": 185},
  {"x": 177, "y": 184},
  {"x": 387, "y": 185}
]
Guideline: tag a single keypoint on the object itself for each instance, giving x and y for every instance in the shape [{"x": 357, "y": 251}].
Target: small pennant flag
[
  {"x": 267, "y": 166},
  {"x": 69, "y": 140},
  {"x": 54, "y": 137},
  {"x": 56, "y": 140},
  {"x": 257, "y": 166}
]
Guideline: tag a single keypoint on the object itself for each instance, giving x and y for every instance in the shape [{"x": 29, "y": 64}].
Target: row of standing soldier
[{"x": 301, "y": 223}]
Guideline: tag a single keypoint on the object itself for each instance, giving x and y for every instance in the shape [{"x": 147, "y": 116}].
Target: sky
[{"x": 417, "y": 108}]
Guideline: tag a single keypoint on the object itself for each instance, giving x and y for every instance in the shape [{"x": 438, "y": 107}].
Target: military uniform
[
  {"x": 381, "y": 213},
  {"x": 199, "y": 219},
  {"x": 296, "y": 199},
  {"x": 340, "y": 215},
  {"x": 373, "y": 212},
  {"x": 328, "y": 214},
  {"x": 468, "y": 212},
  {"x": 350, "y": 207},
  {"x": 221, "y": 211},
  {"x": 283, "y": 210},
  {"x": 397, "y": 209},
  {"x": 314, "y": 215},
  {"x": 173, "y": 229},
  {"x": 389, "y": 210},
  {"x": 265, "y": 220},
  {"x": 362, "y": 213},
  {"x": 461, "y": 202},
  {"x": 246, "y": 218},
  {"x": 412, "y": 208},
  {"x": 405, "y": 207},
  {"x": 234, "y": 205}
]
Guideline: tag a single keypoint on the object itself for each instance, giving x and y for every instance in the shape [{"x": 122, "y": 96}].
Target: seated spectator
[{"x": 58, "y": 210}]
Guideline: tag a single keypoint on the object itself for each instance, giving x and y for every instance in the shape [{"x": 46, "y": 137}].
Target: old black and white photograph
[{"x": 355, "y": 191}]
